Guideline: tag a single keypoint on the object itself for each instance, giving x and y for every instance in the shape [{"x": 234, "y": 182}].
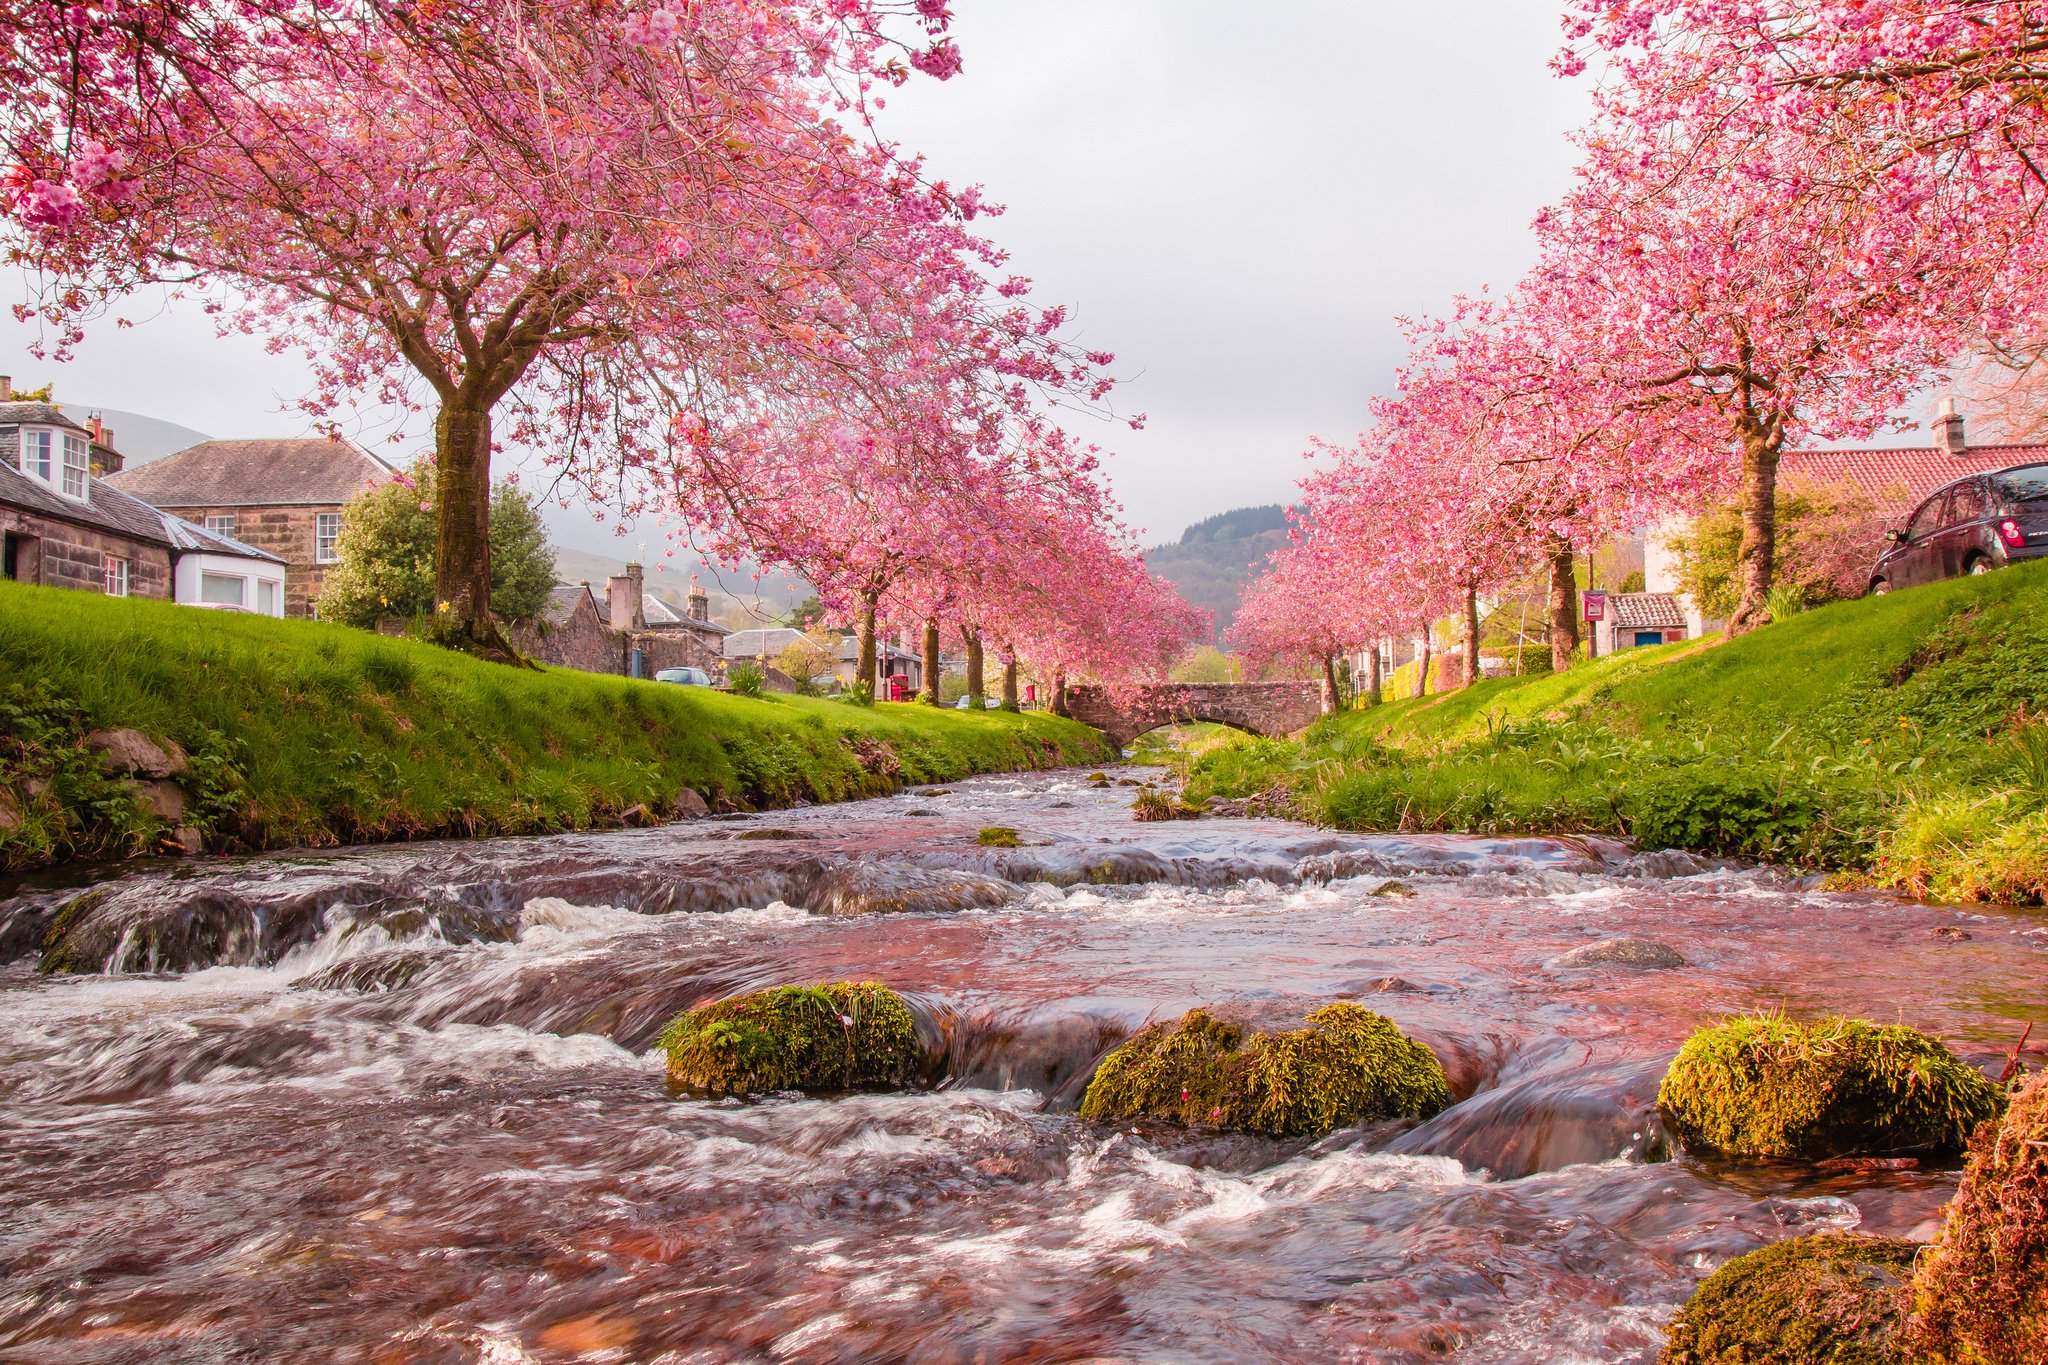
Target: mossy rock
[
  {"x": 1764, "y": 1086},
  {"x": 844, "y": 1036},
  {"x": 1981, "y": 1294},
  {"x": 1349, "y": 1065},
  {"x": 998, "y": 836},
  {"x": 1835, "y": 1299}
]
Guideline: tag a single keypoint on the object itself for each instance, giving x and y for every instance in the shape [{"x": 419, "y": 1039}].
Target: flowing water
[{"x": 399, "y": 1104}]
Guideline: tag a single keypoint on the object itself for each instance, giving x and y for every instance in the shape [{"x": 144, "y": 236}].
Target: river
[{"x": 398, "y": 1104}]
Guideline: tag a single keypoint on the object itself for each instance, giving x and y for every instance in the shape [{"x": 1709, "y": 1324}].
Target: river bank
[
  {"x": 294, "y": 733},
  {"x": 1901, "y": 739},
  {"x": 404, "y": 1102}
]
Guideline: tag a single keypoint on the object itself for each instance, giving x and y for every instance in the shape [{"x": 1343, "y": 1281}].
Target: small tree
[
  {"x": 807, "y": 660},
  {"x": 1207, "y": 665},
  {"x": 387, "y": 555},
  {"x": 1827, "y": 536}
]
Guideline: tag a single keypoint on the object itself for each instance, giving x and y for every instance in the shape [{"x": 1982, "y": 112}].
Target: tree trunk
[
  {"x": 1422, "y": 664},
  {"x": 1059, "y": 693},
  {"x": 1010, "y": 702},
  {"x": 1372, "y": 673},
  {"x": 977, "y": 679},
  {"x": 1329, "y": 684},
  {"x": 1471, "y": 637},
  {"x": 931, "y": 663},
  {"x": 462, "y": 531},
  {"x": 864, "y": 674},
  {"x": 1755, "y": 561},
  {"x": 1564, "y": 605}
]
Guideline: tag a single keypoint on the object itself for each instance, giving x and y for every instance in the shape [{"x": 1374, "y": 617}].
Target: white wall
[{"x": 188, "y": 589}]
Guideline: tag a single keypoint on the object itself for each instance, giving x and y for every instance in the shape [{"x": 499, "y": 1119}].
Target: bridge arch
[{"x": 1269, "y": 709}]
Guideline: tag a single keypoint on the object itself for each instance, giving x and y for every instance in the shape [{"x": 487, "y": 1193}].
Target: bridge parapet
[{"x": 1270, "y": 708}]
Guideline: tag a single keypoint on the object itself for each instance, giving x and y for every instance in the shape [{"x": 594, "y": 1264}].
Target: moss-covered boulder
[
  {"x": 1347, "y": 1066},
  {"x": 1764, "y": 1086},
  {"x": 1981, "y": 1294},
  {"x": 849, "y": 1035},
  {"x": 1836, "y": 1299}
]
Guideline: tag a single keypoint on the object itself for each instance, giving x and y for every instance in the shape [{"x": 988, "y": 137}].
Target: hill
[
  {"x": 1215, "y": 558},
  {"x": 1903, "y": 735},
  {"x": 140, "y": 439}
]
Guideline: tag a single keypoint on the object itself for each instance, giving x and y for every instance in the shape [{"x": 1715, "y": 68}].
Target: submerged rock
[
  {"x": 889, "y": 889},
  {"x": 1981, "y": 1294},
  {"x": 1349, "y": 1065},
  {"x": 844, "y": 1036},
  {"x": 377, "y": 972},
  {"x": 1635, "y": 954},
  {"x": 1835, "y": 1299},
  {"x": 1764, "y": 1086},
  {"x": 998, "y": 836}
]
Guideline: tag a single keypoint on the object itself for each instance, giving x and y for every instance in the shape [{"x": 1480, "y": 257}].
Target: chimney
[
  {"x": 6, "y": 388},
  {"x": 1951, "y": 423},
  {"x": 624, "y": 597},
  {"x": 700, "y": 604}
]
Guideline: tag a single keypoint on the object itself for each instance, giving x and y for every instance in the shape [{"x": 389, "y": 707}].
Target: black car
[{"x": 1971, "y": 526}]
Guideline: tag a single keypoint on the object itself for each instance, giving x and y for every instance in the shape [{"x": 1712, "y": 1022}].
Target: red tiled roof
[
  {"x": 1646, "y": 611},
  {"x": 1898, "y": 479}
]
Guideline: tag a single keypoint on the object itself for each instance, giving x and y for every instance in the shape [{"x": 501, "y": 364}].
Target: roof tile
[{"x": 299, "y": 471}]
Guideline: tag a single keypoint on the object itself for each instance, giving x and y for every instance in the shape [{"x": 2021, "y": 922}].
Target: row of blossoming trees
[
  {"x": 654, "y": 238},
  {"x": 1790, "y": 215}
]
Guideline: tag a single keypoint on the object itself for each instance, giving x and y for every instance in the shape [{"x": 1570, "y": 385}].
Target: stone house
[
  {"x": 1641, "y": 618},
  {"x": 632, "y": 634},
  {"x": 284, "y": 496},
  {"x": 63, "y": 526}
]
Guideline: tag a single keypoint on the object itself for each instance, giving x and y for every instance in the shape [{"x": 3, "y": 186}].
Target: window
[
  {"x": 1927, "y": 518},
  {"x": 36, "y": 447},
  {"x": 2026, "y": 484},
  {"x": 77, "y": 466},
  {"x": 222, "y": 590},
  {"x": 266, "y": 597},
  {"x": 326, "y": 532},
  {"x": 221, "y": 523},
  {"x": 1965, "y": 504},
  {"x": 117, "y": 576}
]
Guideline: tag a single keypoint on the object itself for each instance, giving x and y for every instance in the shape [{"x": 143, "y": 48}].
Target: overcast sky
[{"x": 1237, "y": 201}]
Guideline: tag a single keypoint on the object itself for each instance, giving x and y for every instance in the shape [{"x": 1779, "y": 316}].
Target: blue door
[{"x": 1649, "y": 637}]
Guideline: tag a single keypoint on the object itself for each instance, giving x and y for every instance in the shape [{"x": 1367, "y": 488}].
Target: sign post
[{"x": 1595, "y": 612}]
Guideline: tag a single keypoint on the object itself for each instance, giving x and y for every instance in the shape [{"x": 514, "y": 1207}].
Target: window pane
[
  {"x": 2024, "y": 485},
  {"x": 266, "y": 597},
  {"x": 221, "y": 523},
  {"x": 74, "y": 466},
  {"x": 117, "y": 577},
  {"x": 1928, "y": 517},
  {"x": 326, "y": 530},
  {"x": 221, "y": 589},
  {"x": 35, "y": 455},
  {"x": 1965, "y": 504}
]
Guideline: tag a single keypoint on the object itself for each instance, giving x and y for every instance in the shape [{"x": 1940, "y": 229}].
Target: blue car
[
  {"x": 1969, "y": 526},
  {"x": 684, "y": 677}
]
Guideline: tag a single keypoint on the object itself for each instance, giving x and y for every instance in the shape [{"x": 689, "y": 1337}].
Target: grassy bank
[
  {"x": 302, "y": 733},
  {"x": 1903, "y": 736}
]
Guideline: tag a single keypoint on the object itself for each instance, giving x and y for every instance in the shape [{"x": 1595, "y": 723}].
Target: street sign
[{"x": 1596, "y": 606}]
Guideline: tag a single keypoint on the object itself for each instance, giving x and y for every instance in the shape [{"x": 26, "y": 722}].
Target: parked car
[
  {"x": 1971, "y": 526},
  {"x": 966, "y": 703},
  {"x": 683, "y": 677}
]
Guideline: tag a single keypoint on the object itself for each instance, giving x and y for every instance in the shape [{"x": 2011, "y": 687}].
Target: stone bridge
[{"x": 1271, "y": 708}]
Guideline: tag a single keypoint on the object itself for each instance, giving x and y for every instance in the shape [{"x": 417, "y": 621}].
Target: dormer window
[{"x": 58, "y": 459}]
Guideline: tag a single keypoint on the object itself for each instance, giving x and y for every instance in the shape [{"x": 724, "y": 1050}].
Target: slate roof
[
  {"x": 185, "y": 536},
  {"x": 287, "y": 472},
  {"x": 747, "y": 644},
  {"x": 1645, "y": 611},
  {"x": 109, "y": 509},
  {"x": 40, "y": 414},
  {"x": 563, "y": 599},
  {"x": 1896, "y": 480}
]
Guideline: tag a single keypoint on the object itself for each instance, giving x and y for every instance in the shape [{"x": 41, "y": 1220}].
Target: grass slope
[
  {"x": 305, "y": 733},
  {"x": 1903, "y": 734}
]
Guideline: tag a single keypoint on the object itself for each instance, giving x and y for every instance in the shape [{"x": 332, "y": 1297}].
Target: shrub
[
  {"x": 1835, "y": 1299},
  {"x": 746, "y": 680},
  {"x": 1712, "y": 809},
  {"x": 1764, "y": 1086},
  {"x": 1981, "y": 1294},
  {"x": 1349, "y": 1065},
  {"x": 843, "y": 1036},
  {"x": 1957, "y": 849}
]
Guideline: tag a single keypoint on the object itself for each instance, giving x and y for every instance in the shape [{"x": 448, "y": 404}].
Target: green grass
[
  {"x": 317, "y": 734},
  {"x": 1901, "y": 734}
]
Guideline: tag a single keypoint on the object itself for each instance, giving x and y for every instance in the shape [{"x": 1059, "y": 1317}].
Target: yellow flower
[{"x": 444, "y": 606}]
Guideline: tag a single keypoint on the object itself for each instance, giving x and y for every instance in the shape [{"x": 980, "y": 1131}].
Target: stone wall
[
  {"x": 286, "y": 532},
  {"x": 76, "y": 557},
  {"x": 1274, "y": 709}
]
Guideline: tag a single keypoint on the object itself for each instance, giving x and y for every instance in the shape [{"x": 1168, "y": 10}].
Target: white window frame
[
  {"x": 117, "y": 576},
  {"x": 221, "y": 524},
  {"x": 44, "y": 469},
  {"x": 326, "y": 537},
  {"x": 240, "y": 581},
  {"x": 272, "y": 589},
  {"x": 77, "y": 468}
]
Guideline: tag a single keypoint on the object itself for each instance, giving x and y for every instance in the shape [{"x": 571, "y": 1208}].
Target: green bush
[
  {"x": 1709, "y": 808},
  {"x": 1835, "y": 1299},
  {"x": 1764, "y": 1086},
  {"x": 843, "y": 1036},
  {"x": 746, "y": 680},
  {"x": 1347, "y": 1066}
]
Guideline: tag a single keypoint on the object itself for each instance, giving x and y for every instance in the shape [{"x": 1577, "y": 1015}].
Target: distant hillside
[
  {"x": 139, "y": 439},
  {"x": 1213, "y": 559}
]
